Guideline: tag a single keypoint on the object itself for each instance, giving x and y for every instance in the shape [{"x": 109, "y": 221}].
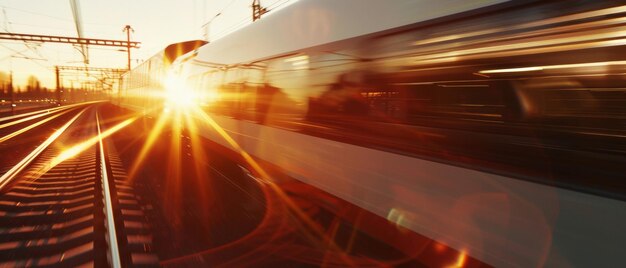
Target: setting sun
[{"x": 177, "y": 94}]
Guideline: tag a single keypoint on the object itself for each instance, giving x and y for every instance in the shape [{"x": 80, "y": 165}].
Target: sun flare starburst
[{"x": 177, "y": 94}]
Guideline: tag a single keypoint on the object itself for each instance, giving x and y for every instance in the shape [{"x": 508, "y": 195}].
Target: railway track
[{"x": 68, "y": 204}]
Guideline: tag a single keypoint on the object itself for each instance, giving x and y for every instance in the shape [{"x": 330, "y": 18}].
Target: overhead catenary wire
[
  {"x": 247, "y": 20},
  {"x": 234, "y": 27},
  {"x": 225, "y": 7},
  {"x": 53, "y": 17},
  {"x": 25, "y": 56},
  {"x": 276, "y": 5},
  {"x": 207, "y": 24},
  {"x": 26, "y": 44},
  {"x": 35, "y": 13},
  {"x": 42, "y": 26},
  {"x": 34, "y": 46}
]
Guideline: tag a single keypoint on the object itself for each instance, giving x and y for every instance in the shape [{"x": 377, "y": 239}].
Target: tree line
[{"x": 33, "y": 89}]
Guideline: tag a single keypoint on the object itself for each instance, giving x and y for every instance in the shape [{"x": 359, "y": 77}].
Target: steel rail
[
  {"x": 112, "y": 234},
  {"x": 45, "y": 110},
  {"x": 16, "y": 169},
  {"x": 34, "y": 125}
]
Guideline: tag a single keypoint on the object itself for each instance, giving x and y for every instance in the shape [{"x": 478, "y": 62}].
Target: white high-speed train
[{"x": 497, "y": 128}]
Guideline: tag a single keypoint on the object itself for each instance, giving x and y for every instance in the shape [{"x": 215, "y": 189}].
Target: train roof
[{"x": 308, "y": 23}]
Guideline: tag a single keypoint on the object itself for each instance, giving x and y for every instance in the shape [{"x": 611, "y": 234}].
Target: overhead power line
[
  {"x": 276, "y": 5},
  {"x": 38, "y": 14}
]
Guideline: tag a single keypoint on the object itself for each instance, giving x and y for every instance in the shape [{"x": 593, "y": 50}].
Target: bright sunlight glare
[{"x": 177, "y": 94}]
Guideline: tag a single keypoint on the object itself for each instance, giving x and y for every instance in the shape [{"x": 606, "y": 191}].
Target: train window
[
  {"x": 237, "y": 95},
  {"x": 274, "y": 87},
  {"x": 456, "y": 101},
  {"x": 205, "y": 90},
  {"x": 291, "y": 75},
  {"x": 254, "y": 74}
]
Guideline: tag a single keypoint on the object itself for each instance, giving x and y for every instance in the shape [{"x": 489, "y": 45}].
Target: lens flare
[{"x": 81, "y": 147}]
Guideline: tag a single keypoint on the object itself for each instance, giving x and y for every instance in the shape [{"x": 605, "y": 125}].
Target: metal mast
[
  {"x": 127, "y": 29},
  {"x": 257, "y": 10}
]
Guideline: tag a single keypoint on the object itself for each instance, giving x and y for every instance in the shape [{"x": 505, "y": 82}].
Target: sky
[{"x": 156, "y": 24}]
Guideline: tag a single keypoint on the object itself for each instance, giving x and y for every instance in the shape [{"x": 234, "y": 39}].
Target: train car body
[
  {"x": 144, "y": 88},
  {"x": 496, "y": 128}
]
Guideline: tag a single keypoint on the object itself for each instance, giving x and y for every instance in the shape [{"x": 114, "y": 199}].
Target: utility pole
[
  {"x": 11, "y": 92},
  {"x": 257, "y": 10},
  {"x": 127, "y": 29},
  {"x": 56, "y": 70}
]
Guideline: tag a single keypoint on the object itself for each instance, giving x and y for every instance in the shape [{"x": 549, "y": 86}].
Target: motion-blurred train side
[
  {"x": 497, "y": 128},
  {"x": 143, "y": 88}
]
